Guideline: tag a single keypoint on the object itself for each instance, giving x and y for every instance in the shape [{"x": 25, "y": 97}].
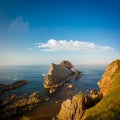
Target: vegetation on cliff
[
  {"x": 98, "y": 105},
  {"x": 109, "y": 107}
]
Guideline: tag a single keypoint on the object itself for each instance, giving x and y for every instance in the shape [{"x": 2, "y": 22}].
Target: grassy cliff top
[{"x": 109, "y": 107}]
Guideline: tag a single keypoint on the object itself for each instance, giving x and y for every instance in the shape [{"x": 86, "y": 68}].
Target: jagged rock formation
[
  {"x": 14, "y": 85},
  {"x": 72, "y": 109},
  {"x": 14, "y": 105},
  {"x": 58, "y": 75},
  {"x": 75, "y": 108},
  {"x": 67, "y": 64},
  {"x": 108, "y": 76},
  {"x": 80, "y": 107}
]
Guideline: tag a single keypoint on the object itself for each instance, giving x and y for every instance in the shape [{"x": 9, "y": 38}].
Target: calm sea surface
[{"x": 35, "y": 75}]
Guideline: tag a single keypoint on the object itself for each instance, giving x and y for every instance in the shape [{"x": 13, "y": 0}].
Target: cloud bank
[
  {"x": 18, "y": 24},
  {"x": 64, "y": 45}
]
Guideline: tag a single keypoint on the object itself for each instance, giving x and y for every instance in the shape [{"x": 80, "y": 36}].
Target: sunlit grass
[
  {"x": 109, "y": 107},
  {"x": 25, "y": 118}
]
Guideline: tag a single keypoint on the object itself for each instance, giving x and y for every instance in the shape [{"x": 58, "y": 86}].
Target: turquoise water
[{"x": 35, "y": 75}]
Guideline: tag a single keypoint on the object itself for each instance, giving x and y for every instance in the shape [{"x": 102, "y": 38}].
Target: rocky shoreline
[
  {"x": 70, "y": 106},
  {"x": 76, "y": 108},
  {"x": 15, "y": 105}
]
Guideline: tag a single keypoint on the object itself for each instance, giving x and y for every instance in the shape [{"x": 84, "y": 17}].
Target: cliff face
[
  {"x": 109, "y": 106},
  {"x": 80, "y": 107},
  {"x": 108, "y": 76},
  {"x": 72, "y": 109}
]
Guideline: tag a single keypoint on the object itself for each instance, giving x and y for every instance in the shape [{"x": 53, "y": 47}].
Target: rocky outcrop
[
  {"x": 81, "y": 105},
  {"x": 108, "y": 76},
  {"x": 67, "y": 64},
  {"x": 72, "y": 109},
  {"x": 14, "y": 105},
  {"x": 58, "y": 75},
  {"x": 14, "y": 85},
  {"x": 75, "y": 108}
]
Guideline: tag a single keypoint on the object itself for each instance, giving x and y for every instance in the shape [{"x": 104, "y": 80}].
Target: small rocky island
[
  {"x": 59, "y": 74},
  {"x": 14, "y": 85}
]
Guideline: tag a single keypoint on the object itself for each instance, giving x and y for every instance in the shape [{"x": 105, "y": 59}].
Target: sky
[{"x": 49, "y": 31}]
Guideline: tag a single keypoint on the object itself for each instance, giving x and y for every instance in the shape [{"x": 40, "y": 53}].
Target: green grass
[{"x": 109, "y": 107}]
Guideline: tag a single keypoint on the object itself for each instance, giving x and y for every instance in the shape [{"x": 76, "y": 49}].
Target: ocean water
[{"x": 35, "y": 76}]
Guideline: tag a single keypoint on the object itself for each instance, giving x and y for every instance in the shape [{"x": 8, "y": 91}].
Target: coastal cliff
[
  {"x": 108, "y": 107},
  {"x": 94, "y": 106},
  {"x": 108, "y": 77}
]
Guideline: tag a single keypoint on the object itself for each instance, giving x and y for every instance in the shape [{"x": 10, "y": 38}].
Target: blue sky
[{"x": 45, "y": 31}]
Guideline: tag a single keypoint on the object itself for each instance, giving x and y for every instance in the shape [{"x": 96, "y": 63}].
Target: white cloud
[
  {"x": 64, "y": 45},
  {"x": 18, "y": 25}
]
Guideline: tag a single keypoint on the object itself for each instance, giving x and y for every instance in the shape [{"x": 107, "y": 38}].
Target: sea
[{"x": 34, "y": 74}]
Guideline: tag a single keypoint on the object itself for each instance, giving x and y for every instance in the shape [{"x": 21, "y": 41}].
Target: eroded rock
[
  {"x": 72, "y": 109},
  {"x": 14, "y": 85},
  {"x": 14, "y": 105},
  {"x": 58, "y": 75},
  {"x": 67, "y": 64}
]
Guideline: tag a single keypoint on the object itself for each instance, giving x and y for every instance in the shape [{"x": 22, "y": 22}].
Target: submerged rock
[{"x": 14, "y": 85}]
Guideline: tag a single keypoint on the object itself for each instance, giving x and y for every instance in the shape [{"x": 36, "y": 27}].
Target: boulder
[{"x": 69, "y": 86}]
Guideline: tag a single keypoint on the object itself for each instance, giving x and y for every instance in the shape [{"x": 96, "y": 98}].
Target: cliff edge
[{"x": 98, "y": 105}]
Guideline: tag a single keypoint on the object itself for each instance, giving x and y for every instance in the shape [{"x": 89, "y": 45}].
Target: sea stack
[{"x": 58, "y": 74}]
